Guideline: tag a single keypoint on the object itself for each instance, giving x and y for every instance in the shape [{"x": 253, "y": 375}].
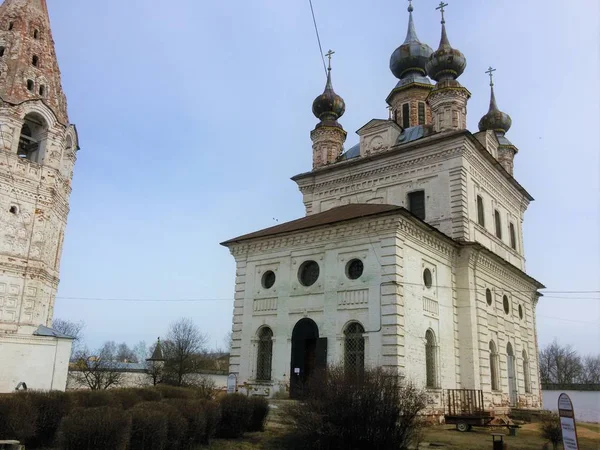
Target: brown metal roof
[{"x": 334, "y": 215}]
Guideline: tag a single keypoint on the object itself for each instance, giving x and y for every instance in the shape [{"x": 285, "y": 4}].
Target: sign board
[
  {"x": 231, "y": 383},
  {"x": 567, "y": 422}
]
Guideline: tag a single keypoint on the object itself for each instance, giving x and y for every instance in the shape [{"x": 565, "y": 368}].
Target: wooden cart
[{"x": 465, "y": 409}]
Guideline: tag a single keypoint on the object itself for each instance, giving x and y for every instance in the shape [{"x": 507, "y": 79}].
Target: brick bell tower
[{"x": 38, "y": 149}]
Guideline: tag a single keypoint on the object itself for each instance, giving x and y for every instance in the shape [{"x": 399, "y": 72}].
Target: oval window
[
  {"x": 308, "y": 274},
  {"x": 506, "y": 304},
  {"x": 520, "y": 312},
  {"x": 268, "y": 279},
  {"x": 427, "y": 278},
  {"x": 354, "y": 269},
  {"x": 488, "y": 297}
]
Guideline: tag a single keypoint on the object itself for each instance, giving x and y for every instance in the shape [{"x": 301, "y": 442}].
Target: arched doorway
[
  {"x": 309, "y": 353},
  {"x": 512, "y": 375}
]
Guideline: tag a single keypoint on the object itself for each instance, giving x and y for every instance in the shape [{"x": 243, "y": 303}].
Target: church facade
[
  {"x": 38, "y": 147},
  {"x": 410, "y": 255}
]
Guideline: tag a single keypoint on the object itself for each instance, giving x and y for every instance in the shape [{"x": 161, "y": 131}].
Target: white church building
[
  {"x": 410, "y": 255},
  {"x": 38, "y": 148}
]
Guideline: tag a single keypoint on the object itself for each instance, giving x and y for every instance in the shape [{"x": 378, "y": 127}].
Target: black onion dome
[
  {"x": 495, "y": 119},
  {"x": 328, "y": 106},
  {"x": 412, "y": 56},
  {"x": 446, "y": 62}
]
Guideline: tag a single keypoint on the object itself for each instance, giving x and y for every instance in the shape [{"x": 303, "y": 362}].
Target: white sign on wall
[
  {"x": 231, "y": 383},
  {"x": 567, "y": 422}
]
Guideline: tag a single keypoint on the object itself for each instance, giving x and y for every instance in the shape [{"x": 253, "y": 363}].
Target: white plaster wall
[
  {"x": 140, "y": 379},
  {"x": 41, "y": 362}
]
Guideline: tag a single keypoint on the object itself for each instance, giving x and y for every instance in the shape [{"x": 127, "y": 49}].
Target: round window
[
  {"x": 506, "y": 304},
  {"x": 520, "y": 312},
  {"x": 308, "y": 274},
  {"x": 488, "y": 297},
  {"x": 268, "y": 279},
  {"x": 427, "y": 278},
  {"x": 354, "y": 269}
]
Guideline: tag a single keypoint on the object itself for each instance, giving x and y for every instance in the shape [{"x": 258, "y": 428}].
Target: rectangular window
[
  {"x": 406, "y": 115},
  {"x": 416, "y": 204},
  {"x": 1, "y": 51},
  {"x": 421, "y": 113},
  {"x": 498, "y": 224},
  {"x": 480, "y": 212},
  {"x": 513, "y": 237}
]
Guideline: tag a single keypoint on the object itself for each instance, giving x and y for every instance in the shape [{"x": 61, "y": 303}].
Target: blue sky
[{"x": 193, "y": 115}]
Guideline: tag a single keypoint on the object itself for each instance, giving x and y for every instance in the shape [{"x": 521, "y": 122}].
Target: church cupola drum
[{"x": 38, "y": 148}]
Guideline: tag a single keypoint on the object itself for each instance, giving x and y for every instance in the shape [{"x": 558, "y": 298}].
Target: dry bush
[
  {"x": 213, "y": 415},
  {"x": 174, "y": 391},
  {"x": 193, "y": 411},
  {"x": 235, "y": 416},
  {"x": 148, "y": 394},
  {"x": 127, "y": 397},
  {"x": 204, "y": 387},
  {"x": 550, "y": 428},
  {"x": 149, "y": 430},
  {"x": 260, "y": 411},
  {"x": 176, "y": 423},
  {"x": 94, "y": 429},
  {"x": 373, "y": 411},
  {"x": 94, "y": 399},
  {"x": 51, "y": 407},
  {"x": 17, "y": 417}
]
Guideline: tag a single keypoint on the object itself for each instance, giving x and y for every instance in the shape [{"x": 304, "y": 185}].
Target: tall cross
[
  {"x": 441, "y": 8},
  {"x": 329, "y": 54},
  {"x": 490, "y": 72}
]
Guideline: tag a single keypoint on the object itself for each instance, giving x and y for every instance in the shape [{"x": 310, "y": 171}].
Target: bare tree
[
  {"x": 98, "y": 370},
  {"x": 125, "y": 354},
  {"x": 155, "y": 368},
  {"x": 140, "y": 350},
  {"x": 560, "y": 364},
  {"x": 73, "y": 329},
  {"x": 591, "y": 370},
  {"x": 184, "y": 342}
]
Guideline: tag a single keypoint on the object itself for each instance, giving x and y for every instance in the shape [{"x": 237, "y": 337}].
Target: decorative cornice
[
  {"x": 427, "y": 238},
  {"x": 519, "y": 280}
]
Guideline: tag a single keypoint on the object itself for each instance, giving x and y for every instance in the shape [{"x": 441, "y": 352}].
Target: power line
[
  {"x": 318, "y": 37},
  {"x": 568, "y": 320}
]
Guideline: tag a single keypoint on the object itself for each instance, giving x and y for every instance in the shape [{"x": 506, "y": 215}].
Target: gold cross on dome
[
  {"x": 441, "y": 8},
  {"x": 329, "y": 54},
  {"x": 490, "y": 72}
]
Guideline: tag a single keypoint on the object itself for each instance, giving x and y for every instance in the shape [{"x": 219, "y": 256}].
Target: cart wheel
[{"x": 462, "y": 426}]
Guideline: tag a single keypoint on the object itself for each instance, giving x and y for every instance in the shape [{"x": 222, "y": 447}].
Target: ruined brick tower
[{"x": 38, "y": 149}]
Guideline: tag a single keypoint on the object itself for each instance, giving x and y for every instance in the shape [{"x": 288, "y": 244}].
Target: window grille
[
  {"x": 265, "y": 354},
  {"x": 354, "y": 350},
  {"x": 421, "y": 113},
  {"x": 406, "y": 115},
  {"x": 494, "y": 366},
  {"x": 416, "y": 204},
  {"x": 431, "y": 360}
]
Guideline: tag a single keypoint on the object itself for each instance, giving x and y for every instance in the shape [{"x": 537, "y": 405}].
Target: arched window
[
  {"x": 431, "y": 359},
  {"x": 494, "y": 366},
  {"x": 33, "y": 133},
  {"x": 480, "y": 211},
  {"x": 513, "y": 236},
  {"x": 264, "y": 354},
  {"x": 35, "y": 60},
  {"x": 526, "y": 374},
  {"x": 354, "y": 349},
  {"x": 36, "y": 34},
  {"x": 498, "y": 224}
]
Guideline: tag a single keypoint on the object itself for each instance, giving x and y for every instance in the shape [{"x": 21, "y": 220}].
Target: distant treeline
[{"x": 570, "y": 387}]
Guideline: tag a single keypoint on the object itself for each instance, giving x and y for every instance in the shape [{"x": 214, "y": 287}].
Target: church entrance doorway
[
  {"x": 512, "y": 376},
  {"x": 309, "y": 354}
]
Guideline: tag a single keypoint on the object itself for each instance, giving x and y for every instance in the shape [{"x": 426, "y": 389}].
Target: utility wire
[{"x": 318, "y": 37}]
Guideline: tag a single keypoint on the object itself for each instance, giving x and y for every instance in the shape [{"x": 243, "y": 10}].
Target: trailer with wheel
[{"x": 465, "y": 409}]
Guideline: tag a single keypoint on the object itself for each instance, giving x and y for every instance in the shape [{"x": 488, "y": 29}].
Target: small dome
[
  {"x": 495, "y": 119},
  {"x": 446, "y": 62},
  {"x": 412, "y": 56},
  {"x": 328, "y": 107}
]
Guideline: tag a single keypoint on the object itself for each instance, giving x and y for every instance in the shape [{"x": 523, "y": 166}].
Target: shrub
[
  {"x": 204, "y": 387},
  {"x": 260, "y": 411},
  {"x": 193, "y": 411},
  {"x": 235, "y": 416},
  {"x": 374, "y": 410},
  {"x": 95, "y": 428},
  {"x": 550, "y": 428},
  {"x": 149, "y": 430},
  {"x": 127, "y": 398},
  {"x": 176, "y": 423},
  {"x": 213, "y": 415},
  {"x": 174, "y": 391},
  {"x": 51, "y": 407},
  {"x": 94, "y": 399},
  {"x": 149, "y": 394},
  {"x": 17, "y": 417}
]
